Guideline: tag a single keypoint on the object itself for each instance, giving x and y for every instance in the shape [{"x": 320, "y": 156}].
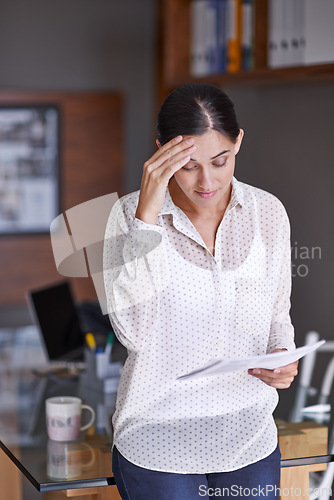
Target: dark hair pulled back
[{"x": 193, "y": 109}]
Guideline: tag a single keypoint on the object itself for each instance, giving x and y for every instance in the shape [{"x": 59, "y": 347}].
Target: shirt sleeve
[
  {"x": 282, "y": 331},
  {"x": 135, "y": 272}
]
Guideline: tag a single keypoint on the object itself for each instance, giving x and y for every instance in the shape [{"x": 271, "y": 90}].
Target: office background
[{"x": 109, "y": 45}]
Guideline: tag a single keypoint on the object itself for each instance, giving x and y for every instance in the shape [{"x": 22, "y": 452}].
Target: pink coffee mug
[{"x": 63, "y": 418}]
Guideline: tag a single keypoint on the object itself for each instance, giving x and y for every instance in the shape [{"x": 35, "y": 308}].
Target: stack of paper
[{"x": 271, "y": 361}]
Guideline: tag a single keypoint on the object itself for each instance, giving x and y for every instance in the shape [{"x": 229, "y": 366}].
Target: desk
[
  {"x": 51, "y": 466},
  {"x": 23, "y": 434},
  {"x": 23, "y": 437},
  {"x": 300, "y": 440}
]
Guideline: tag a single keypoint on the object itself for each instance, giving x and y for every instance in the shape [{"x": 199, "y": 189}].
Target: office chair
[
  {"x": 320, "y": 482},
  {"x": 306, "y": 369}
]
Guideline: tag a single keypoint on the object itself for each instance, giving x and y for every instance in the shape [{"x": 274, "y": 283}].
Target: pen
[
  {"x": 110, "y": 340},
  {"x": 90, "y": 341}
]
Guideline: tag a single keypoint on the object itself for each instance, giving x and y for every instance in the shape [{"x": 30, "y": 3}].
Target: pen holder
[{"x": 100, "y": 374}]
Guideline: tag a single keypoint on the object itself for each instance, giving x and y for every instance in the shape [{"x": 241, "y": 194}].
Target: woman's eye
[
  {"x": 189, "y": 168},
  {"x": 220, "y": 164}
]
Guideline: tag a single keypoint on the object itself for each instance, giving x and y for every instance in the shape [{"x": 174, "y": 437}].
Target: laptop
[{"x": 54, "y": 312}]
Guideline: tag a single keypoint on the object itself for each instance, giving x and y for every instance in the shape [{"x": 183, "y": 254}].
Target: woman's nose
[{"x": 205, "y": 181}]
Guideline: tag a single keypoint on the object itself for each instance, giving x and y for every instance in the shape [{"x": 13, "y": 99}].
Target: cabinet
[{"x": 173, "y": 31}]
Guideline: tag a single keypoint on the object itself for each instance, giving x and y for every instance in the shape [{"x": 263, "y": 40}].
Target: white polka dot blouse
[{"x": 175, "y": 306}]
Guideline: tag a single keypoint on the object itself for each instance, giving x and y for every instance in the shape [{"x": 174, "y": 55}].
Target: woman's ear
[
  {"x": 158, "y": 143},
  {"x": 239, "y": 141}
]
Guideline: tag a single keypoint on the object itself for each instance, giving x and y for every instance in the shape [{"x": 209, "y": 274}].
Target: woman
[{"x": 197, "y": 266}]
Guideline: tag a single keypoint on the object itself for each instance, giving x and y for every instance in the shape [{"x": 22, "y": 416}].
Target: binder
[
  {"x": 233, "y": 35},
  {"x": 247, "y": 34},
  {"x": 221, "y": 35},
  {"x": 287, "y": 33},
  {"x": 199, "y": 62},
  {"x": 297, "y": 32},
  {"x": 301, "y": 30},
  {"x": 318, "y": 32},
  {"x": 275, "y": 34},
  {"x": 211, "y": 37}
]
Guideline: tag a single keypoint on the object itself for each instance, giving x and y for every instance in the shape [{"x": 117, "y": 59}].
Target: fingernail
[
  {"x": 190, "y": 141},
  {"x": 178, "y": 138},
  {"x": 257, "y": 372},
  {"x": 277, "y": 370}
]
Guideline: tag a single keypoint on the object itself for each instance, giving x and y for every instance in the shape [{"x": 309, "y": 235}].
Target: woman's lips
[{"x": 206, "y": 195}]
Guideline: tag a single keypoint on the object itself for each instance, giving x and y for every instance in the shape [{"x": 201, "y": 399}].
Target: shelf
[
  {"x": 175, "y": 31},
  {"x": 260, "y": 76},
  {"x": 174, "y": 49}
]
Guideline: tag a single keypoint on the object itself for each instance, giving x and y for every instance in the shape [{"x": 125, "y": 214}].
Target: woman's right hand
[{"x": 158, "y": 170}]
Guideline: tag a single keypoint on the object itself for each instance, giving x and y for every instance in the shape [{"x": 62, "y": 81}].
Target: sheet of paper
[{"x": 217, "y": 366}]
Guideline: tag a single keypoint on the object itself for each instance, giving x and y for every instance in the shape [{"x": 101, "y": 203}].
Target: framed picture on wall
[{"x": 29, "y": 168}]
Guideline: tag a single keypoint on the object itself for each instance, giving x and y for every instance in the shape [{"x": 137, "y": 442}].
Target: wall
[
  {"x": 86, "y": 45},
  {"x": 91, "y": 164},
  {"x": 288, "y": 150},
  {"x": 288, "y": 146}
]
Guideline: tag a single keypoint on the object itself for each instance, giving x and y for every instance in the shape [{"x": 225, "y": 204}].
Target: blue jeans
[{"x": 258, "y": 480}]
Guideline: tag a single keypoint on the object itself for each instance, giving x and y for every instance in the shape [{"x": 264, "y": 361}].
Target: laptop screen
[{"x": 55, "y": 313}]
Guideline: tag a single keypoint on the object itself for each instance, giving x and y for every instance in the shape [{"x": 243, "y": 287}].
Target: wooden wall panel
[{"x": 91, "y": 166}]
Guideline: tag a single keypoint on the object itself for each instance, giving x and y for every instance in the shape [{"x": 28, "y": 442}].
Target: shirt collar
[
  {"x": 237, "y": 195},
  {"x": 237, "y": 198}
]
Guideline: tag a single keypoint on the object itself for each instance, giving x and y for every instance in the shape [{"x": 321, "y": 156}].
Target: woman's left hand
[{"x": 280, "y": 378}]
